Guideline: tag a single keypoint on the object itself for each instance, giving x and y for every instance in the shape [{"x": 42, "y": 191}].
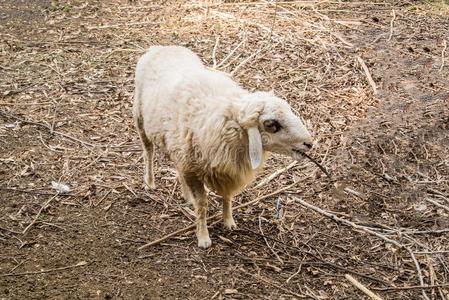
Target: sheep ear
[{"x": 255, "y": 147}]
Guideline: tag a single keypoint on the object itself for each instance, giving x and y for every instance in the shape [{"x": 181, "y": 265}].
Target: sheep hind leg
[
  {"x": 199, "y": 198},
  {"x": 186, "y": 192},
  {"x": 228, "y": 220},
  {"x": 149, "y": 173},
  {"x": 148, "y": 155}
]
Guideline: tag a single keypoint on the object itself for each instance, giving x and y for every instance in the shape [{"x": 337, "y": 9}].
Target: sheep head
[{"x": 272, "y": 126}]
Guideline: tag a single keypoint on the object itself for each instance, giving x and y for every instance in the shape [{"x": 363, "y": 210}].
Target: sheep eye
[{"x": 272, "y": 126}]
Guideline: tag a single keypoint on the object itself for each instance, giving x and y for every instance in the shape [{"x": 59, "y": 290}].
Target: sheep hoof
[
  {"x": 204, "y": 242},
  {"x": 149, "y": 184},
  {"x": 150, "y": 187},
  {"x": 230, "y": 224}
]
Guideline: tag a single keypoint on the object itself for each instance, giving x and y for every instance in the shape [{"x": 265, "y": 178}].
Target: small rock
[
  {"x": 420, "y": 207},
  {"x": 60, "y": 187}
]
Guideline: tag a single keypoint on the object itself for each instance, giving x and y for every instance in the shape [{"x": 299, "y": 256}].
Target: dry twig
[
  {"x": 231, "y": 53},
  {"x": 246, "y": 60},
  {"x": 349, "y": 223},
  {"x": 43, "y": 207},
  {"x": 124, "y": 25},
  {"x": 265, "y": 239},
  {"x": 80, "y": 264},
  {"x": 392, "y": 24},
  {"x": 275, "y": 174},
  {"x": 214, "y": 52},
  {"x": 368, "y": 75},
  {"x": 443, "y": 55},
  {"x": 315, "y": 162},
  {"x": 418, "y": 271},
  {"x": 361, "y": 287},
  {"x": 414, "y": 287},
  {"x": 437, "y": 204},
  {"x": 47, "y": 127}
]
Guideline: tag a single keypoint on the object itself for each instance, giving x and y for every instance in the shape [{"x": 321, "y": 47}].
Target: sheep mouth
[{"x": 319, "y": 165}]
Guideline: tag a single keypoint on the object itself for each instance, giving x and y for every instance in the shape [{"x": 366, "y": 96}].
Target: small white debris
[
  {"x": 230, "y": 291},
  {"x": 60, "y": 187},
  {"x": 11, "y": 125},
  {"x": 420, "y": 207}
]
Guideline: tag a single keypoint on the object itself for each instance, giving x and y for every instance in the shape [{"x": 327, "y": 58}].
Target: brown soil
[{"x": 66, "y": 84}]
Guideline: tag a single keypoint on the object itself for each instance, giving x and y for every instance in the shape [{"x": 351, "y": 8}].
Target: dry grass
[{"x": 67, "y": 82}]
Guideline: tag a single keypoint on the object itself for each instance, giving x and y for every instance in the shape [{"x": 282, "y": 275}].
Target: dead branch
[
  {"x": 43, "y": 207},
  {"x": 344, "y": 41},
  {"x": 442, "y": 55},
  {"x": 265, "y": 239},
  {"x": 80, "y": 264},
  {"x": 432, "y": 252},
  {"x": 418, "y": 270},
  {"x": 349, "y": 223},
  {"x": 48, "y": 127},
  {"x": 37, "y": 192},
  {"x": 361, "y": 287},
  {"x": 436, "y": 192},
  {"x": 214, "y": 52},
  {"x": 392, "y": 24},
  {"x": 9, "y": 230},
  {"x": 414, "y": 287},
  {"x": 437, "y": 204},
  {"x": 275, "y": 174},
  {"x": 368, "y": 75},
  {"x": 231, "y": 53},
  {"x": 124, "y": 24},
  {"x": 243, "y": 62},
  {"x": 296, "y": 273},
  {"x": 353, "y": 192},
  {"x": 315, "y": 162}
]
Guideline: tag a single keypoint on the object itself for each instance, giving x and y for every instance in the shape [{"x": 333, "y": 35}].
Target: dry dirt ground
[{"x": 66, "y": 85}]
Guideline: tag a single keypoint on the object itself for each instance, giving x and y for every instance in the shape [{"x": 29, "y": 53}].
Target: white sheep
[{"x": 215, "y": 132}]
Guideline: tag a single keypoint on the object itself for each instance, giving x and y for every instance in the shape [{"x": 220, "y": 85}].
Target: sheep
[{"x": 217, "y": 134}]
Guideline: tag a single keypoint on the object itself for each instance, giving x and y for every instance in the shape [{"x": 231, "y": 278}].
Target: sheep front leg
[
  {"x": 199, "y": 198},
  {"x": 228, "y": 220}
]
